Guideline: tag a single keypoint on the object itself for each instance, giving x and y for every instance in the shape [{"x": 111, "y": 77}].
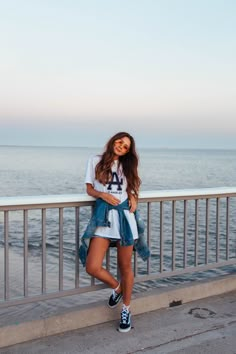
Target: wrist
[{"x": 100, "y": 195}]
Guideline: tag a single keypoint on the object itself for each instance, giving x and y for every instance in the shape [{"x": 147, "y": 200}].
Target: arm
[
  {"x": 109, "y": 198},
  {"x": 132, "y": 203}
]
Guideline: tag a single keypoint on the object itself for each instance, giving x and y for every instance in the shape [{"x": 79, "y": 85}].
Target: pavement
[{"x": 203, "y": 326}]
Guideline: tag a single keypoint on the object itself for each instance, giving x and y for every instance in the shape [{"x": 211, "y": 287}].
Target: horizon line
[{"x": 97, "y": 147}]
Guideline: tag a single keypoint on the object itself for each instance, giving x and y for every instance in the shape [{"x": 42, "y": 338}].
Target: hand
[
  {"x": 132, "y": 203},
  {"x": 110, "y": 199}
]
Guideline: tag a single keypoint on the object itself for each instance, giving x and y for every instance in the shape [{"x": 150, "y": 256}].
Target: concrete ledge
[{"x": 93, "y": 314}]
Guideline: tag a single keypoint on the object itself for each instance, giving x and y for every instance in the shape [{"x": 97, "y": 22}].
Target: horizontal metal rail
[{"x": 187, "y": 231}]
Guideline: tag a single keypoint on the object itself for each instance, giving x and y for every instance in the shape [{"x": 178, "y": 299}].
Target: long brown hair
[{"x": 129, "y": 163}]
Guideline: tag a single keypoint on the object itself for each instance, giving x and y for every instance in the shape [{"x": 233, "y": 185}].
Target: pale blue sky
[{"x": 74, "y": 72}]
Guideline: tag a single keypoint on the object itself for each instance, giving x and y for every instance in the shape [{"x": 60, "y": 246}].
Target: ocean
[
  {"x": 60, "y": 170},
  {"x": 27, "y": 171}
]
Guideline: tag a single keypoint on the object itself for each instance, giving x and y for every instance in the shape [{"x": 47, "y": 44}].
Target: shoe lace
[
  {"x": 114, "y": 295},
  {"x": 124, "y": 315}
]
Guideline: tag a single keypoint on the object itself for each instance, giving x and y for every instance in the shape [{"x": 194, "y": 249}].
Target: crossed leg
[{"x": 97, "y": 250}]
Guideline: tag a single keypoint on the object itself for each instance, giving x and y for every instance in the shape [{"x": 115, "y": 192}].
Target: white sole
[{"x": 124, "y": 330}]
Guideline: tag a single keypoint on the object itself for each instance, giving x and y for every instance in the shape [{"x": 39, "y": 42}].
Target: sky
[{"x": 73, "y": 73}]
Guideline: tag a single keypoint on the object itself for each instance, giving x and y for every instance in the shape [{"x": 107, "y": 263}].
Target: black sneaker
[
  {"x": 125, "y": 321},
  {"x": 114, "y": 299}
]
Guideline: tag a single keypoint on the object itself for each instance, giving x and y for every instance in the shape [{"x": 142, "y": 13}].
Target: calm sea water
[
  {"x": 59, "y": 170},
  {"x": 36, "y": 171}
]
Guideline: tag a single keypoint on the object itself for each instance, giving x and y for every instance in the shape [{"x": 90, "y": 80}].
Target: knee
[
  {"x": 92, "y": 269},
  {"x": 125, "y": 271}
]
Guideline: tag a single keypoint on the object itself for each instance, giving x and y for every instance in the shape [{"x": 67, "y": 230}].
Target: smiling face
[{"x": 121, "y": 146}]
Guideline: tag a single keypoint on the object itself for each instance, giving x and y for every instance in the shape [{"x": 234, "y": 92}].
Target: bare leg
[
  {"x": 127, "y": 275},
  {"x": 97, "y": 250}
]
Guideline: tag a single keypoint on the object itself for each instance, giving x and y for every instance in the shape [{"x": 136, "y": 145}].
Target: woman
[{"x": 113, "y": 180}]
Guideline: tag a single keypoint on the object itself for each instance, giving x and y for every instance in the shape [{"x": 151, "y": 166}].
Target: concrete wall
[{"x": 96, "y": 313}]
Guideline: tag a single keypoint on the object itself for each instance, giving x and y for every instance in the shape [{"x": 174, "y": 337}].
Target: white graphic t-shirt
[{"x": 117, "y": 187}]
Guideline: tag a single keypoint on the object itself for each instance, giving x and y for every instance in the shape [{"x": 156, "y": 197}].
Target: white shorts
[{"x": 113, "y": 232}]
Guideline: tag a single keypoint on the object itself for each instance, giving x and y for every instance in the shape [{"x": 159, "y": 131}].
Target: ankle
[
  {"x": 117, "y": 289},
  {"x": 126, "y": 307}
]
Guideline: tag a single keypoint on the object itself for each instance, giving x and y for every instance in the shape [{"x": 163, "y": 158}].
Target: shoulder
[{"x": 94, "y": 159}]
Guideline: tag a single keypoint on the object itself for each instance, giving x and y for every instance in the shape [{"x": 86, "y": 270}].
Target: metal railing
[{"x": 187, "y": 231}]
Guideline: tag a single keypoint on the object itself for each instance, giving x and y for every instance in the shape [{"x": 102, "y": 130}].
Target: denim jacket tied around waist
[{"x": 100, "y": 218}]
